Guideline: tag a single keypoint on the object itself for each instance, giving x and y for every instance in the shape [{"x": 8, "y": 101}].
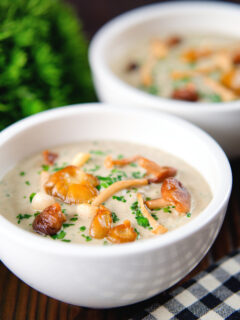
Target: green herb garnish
[
  {"x": 32, "y": 195},
  {"x": 82, "y": 228},
  {"x": 98, "y": 152},
  {"x": 115, "y": 217},
  {"x": 66, "y": 240},
  {"x": 133, "y": 164},
  {"x": 188, "y": 215},
  {"x": 119, "y": 198},
  {"x": 22, "y": 173},
  {"x": 27, "y": 183},
  {"x": 138, "y": 175},
  {"x": 141, "y": 220},
  {"x": 45, "y": 167},
  {"x": 97, "y": 167},
  {"x": 67, "y": 225},
  {"x": 60, "y": 235},
  {"x": 74, "y": 219},
  {"x": 137, "y": 232},
  {"x": 36, "y": 213},
  {"x": 87, "y": 238},
  {"x": 120, "y": 156},
  {"x": 21, "y": 216}
]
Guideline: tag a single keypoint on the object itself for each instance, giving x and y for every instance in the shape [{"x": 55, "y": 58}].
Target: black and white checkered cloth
[{"x": 213, "y": 294}]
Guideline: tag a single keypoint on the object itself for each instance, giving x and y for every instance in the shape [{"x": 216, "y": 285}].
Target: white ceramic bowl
[
  {"x": 221, "y": 120},
  {"x": 110, "y": 276}
]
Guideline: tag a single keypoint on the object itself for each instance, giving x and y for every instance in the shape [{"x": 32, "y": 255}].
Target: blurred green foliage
[{"x": 43, "y": 58}]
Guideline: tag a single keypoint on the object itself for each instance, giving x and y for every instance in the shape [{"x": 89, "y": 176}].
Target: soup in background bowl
[
  {"x": 109, "y": 275},
  {"x": 213, "y": 102}
]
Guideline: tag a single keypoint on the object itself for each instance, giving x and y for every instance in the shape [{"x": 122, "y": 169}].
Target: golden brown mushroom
[
  {"x": 49, "y": 157},
  {"x": 101, "y": 223},
  {"x": 49, "y": 221},
  {"x": 72, "y": 185},
  {"x": 173, "y": 193},
  {"x": 157, "y": 228},
  {"x": 159, "y": 172},
  {"x": 231, "y": 80},
  {"x": 122, "y": 233},
  {"x": 109, "y": 162}
]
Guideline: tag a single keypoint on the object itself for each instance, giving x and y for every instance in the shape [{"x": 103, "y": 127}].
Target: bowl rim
[
  {"x": 126, "y": 20},
  {"x": 91, "y": 251}
]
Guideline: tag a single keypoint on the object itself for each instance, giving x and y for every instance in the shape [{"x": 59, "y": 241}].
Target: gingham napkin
[{"x": 213, "y": 294}]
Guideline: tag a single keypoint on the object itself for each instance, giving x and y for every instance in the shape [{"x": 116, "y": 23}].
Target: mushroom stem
[
  {"x": 80, "y": 159},
  {"x": 118, "y": 186},
  {"x": 157, "y": 228},
  {"x": 157, "y": 203}
]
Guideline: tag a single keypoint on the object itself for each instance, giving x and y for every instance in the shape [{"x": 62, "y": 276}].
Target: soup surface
[
  {"x": 203, "y": 68},
  {"x": 21, "y": 186}
]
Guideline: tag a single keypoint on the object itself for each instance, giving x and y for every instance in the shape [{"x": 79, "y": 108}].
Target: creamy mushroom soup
[
  {"x": 203, "y": 68},
  {"x": 102, "y": 192}
]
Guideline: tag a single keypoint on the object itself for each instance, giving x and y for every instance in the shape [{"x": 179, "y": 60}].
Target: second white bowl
[{"x": 221, "y": 120}]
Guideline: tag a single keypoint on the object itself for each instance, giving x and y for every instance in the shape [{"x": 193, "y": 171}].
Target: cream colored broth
[
  {"x": 18, "y": 184},
  {"x": 163, "y": 83}
]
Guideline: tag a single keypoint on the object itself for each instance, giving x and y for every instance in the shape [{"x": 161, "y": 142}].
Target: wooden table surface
[{"x": 20, "y": 302}]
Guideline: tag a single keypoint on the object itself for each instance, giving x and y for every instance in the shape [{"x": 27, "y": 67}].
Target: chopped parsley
[
  {"x": 22, "y": 173},
  {"x": 36, "y": 213},
  {"x": 21, "y": 216},
  {"x": 98, "y": 152},
  {"x": 87, "y": 238},
  {"x": 60, "y": 235},
  {"x": 147, "y": 198},
  {"x": 67, "y": 225},
  {"x": 137, "y": 232},
  {"x": 27, "y": 183},
  {"x": 97, "y": 167},
  {"x": 105, "y": 243},
  {"x": 120, "y": 156},
  {"x": 58, "y": 168},
  {"x": 141, "y": 220},
  {"x": 188, "y": 215},
  {"x": 168, "y": 209},
  {"x": 133, "y": 164},
  {"x": 66, "y": 240},
  {"x": 82, "y": 228},
  {"x": 74, "y": 219},
  {"x": 119, "y": 198},
  {"x": 64, "y": 210},
  {"x": 152, "y": 90},
  {"x": 115, "y": 217},
  {"x": 32, "y": 195},
  {"x": 45, "y": 167},
  {"x": 154, "y": 216},
  {"x": 138, "y": 175}
]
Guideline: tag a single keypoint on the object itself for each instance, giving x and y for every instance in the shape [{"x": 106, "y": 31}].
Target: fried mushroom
[
  {"x": 49, "y": 221},
  {"x": 173, "y": 193}
]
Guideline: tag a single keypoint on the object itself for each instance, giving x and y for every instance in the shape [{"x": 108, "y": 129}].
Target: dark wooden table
[{"x": 20, "y": 302}]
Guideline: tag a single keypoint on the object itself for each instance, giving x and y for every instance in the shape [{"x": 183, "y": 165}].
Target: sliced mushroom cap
[
  {"x": 175, "y": 193},
  {"x": 49, "y": 157},
  {"x": 101, "y": 223},
  {"x": 109, "y": 162},
  {"x": 50, "y": 220},
  {"x": 159, "y": 172},
  {"x": 122, "y": 233},
  {"x": 72, "y": 185},
  {"x": 231, "y": 80}
]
